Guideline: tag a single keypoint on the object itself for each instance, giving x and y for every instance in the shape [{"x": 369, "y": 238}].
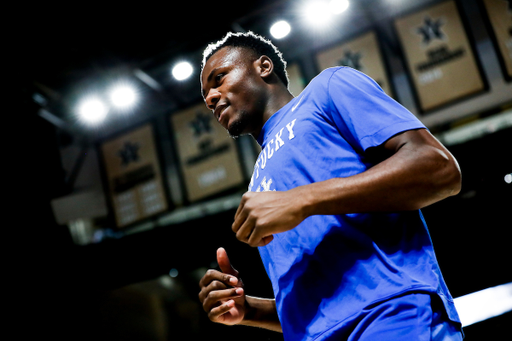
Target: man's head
[
  {"x": 258, "y": 44},
  {"x": 240, "y": 76}
]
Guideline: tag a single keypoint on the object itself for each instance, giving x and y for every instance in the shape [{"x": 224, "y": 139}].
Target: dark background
[{"x": 111, "y": 290}]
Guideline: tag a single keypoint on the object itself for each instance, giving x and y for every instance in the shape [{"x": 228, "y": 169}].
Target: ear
[{"x": 265, "y": 66}]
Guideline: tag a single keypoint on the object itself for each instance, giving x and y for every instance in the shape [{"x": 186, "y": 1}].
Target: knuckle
[
  {"x": 213, "y": 316},
  {"x": 240, "y": 237},
  {"x": 226, "y": 278},
  {"x": 207, "y": 305},
  {"x": 253, "y": 215},
  {"x": 217, "y": 285},
  {"x": 208, "y": 297},
  {"x": 210, "y": 273}
]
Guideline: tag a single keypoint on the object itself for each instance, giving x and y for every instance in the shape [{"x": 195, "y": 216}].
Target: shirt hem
[{"x": 412, "y": 289}]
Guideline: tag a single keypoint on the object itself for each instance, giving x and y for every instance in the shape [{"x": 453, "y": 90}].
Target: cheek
[{"x": 249, "y": 96}]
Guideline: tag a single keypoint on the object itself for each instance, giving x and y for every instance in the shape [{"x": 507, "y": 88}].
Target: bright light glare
[
  {"x": 484, "y": 304},
  {"x": 508, "y": 178},
  {"x": 123, "y": 96},
  {"x": 338, "y": 6},
  {"x": 320, "y": 13},
  {"x": 92, "y": 110},
  {"x": 280, "y": 29},
  {"x": 317, "y": 13},
  {"x": 182, "y": 71}
]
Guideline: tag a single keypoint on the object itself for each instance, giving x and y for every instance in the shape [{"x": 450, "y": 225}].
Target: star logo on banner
[
  {"x": 201, "y": 124},
  {"x": 129, "y": 153},
  {"x": 352, "y": 60},
  {"x": 431, "y": 30}
]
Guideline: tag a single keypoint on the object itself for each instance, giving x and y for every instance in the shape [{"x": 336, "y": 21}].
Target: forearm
[
  {"x": 409, "y": 180},
  {"x": 261, "y": 313}
]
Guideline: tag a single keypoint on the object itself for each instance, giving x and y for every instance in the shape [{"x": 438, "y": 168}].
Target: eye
[{"x": 219, "y": 77}]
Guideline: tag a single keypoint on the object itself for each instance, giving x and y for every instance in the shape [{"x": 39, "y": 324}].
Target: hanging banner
[
  {"x": 363, "y": 54},
  {"x": 134, "y": 178},
  {"x": 208, "y": 155},
  {"x": 499, "y": 13},
  {"x": 439, "y": 55},
  {"x": 297, "y": 82}
]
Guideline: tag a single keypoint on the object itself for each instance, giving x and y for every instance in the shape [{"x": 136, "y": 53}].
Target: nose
[{"x": 212, "y": 99}]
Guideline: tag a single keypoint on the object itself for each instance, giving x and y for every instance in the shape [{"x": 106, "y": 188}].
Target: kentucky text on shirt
[{"x": 267, "y": 153}]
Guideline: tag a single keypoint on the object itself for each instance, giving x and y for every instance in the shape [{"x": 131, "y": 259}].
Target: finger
[
  {"x": 225, "y": 265},
  {"x": 241, "y": 213},
  {"x": 246, "y": 230},
  {"x": 216, "y": 313},
  {"x": 259, "y": 237},
  {"x": 212, "y": 287},
  {"x": 242, "y": 204},
  {"x": 266, "y": 240},
  {"x": 215, "y": 298},
  {"x": 240, "y": 218},
  {"x": 212, "y": 276}
]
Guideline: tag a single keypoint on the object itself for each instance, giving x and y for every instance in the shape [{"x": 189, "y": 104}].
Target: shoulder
[{"x": 341, "y": 77}]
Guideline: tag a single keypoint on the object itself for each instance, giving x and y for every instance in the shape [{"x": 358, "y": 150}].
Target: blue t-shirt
[{"x": 330, "y": 267}]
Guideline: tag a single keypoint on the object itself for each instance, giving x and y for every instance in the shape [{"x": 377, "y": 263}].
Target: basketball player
[{"x": 333, "y": 204}]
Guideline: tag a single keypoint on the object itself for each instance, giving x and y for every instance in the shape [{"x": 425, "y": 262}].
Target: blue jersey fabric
[{"x": 330, "y": 267}]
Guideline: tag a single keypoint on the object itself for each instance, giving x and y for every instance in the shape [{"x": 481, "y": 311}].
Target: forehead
[{"x": 224, "y": 57}]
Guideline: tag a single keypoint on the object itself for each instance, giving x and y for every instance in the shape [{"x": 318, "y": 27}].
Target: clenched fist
[{"x": 260, "y": 215}]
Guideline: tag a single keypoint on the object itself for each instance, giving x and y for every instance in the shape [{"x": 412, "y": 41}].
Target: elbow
[
  {"x": 441, "y": 176},
  {"x": 449, "y": 175},
  {"x": 455, "y": 180}
]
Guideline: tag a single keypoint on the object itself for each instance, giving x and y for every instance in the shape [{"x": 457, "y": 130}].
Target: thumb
[{"x": 224, "y": 263}]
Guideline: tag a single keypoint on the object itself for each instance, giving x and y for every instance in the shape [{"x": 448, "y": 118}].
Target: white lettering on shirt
[
  {"x": 289, "y": 126},
  {"x": 263, "y": 158},
  {"x": 266, "y": 184},
  {"x": 270, "y": 149},
  {"x": 267, "y": 153},
  {"x": 279, "y": 141}
]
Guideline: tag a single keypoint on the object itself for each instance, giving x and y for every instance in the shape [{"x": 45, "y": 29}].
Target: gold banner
[
  {"x": 208, "y": 156},
  {"x": 134, "y": 176},
  {"x": 363, "y": 54},
  {"x": 297, "y": 82},
  {"x": 500, "y": 17},
  {"x": 439, "y": 55}
]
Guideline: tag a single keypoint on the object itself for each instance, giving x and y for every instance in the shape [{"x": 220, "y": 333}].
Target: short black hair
[{"x": 257, "y": 43}]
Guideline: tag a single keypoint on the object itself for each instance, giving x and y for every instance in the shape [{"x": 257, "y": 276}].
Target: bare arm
[
  {"x": 417, "y": 172},
  {"x": 262, "y": 313}
]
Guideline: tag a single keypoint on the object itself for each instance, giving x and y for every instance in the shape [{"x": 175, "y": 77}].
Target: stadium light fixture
[
  {"x": 338, "y": 6},
  {"x": 321, "y": 13},
  {"x": 123, "y": 96},
  {"x": 182, "y": 71},
  {"x": 280, "y": 29},
  {"x": 92, "y": 110}
]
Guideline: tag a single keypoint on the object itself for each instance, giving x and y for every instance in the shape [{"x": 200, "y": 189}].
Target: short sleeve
[{"x": 363, "y": 113}]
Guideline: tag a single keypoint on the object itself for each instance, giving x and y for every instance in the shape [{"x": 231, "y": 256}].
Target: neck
[{"x": 278, "y": 97}]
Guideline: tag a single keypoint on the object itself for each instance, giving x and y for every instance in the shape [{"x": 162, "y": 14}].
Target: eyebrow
[{"x": 212, "y": 72}]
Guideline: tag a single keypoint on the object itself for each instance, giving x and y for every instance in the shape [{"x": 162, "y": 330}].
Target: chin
[
  {"x": 238, "y": 127},
  {"x": 235, "y": 130}
]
